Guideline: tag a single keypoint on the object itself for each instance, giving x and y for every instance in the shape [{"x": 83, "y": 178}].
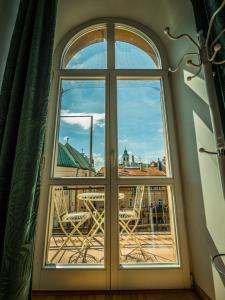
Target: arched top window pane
[
  {"x": 134, "y": 50},
  {"x": 87, "y": 50}
]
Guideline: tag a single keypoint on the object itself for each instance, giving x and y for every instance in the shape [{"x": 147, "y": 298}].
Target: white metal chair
[
  {"x": 127, "y": 216},
  {"x": 74, "y": 219}
]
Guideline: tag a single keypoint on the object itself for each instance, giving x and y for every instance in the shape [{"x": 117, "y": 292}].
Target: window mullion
[{"x": 110, "y": 46}]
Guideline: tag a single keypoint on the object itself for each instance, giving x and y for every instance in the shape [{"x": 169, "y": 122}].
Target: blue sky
[{"x": 139, "y": 108}]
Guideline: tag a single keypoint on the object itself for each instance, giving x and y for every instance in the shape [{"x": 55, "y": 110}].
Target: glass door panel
[
  {"x": 146, "y": 226},
  {"x": 81, "y": 137},
  {"x": 142, "y": 147},
  {"x": 76, "y": 232}
]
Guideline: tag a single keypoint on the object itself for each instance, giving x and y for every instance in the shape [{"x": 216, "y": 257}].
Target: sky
[{"x": 140, "y": 128}]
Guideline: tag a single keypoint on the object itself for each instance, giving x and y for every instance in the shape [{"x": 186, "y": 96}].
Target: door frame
[{"x": 115, "y": 277}]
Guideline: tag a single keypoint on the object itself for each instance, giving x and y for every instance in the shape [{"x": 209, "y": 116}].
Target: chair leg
[
  {"x": 69, "y": 237},
  {"x": 131, "y": 234}
]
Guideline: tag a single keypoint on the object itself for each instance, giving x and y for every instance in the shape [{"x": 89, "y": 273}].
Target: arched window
[{"x": 108, "y": 147}]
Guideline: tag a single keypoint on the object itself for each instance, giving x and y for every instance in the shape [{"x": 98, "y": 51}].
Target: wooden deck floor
[{"x": 129, "y": 295}]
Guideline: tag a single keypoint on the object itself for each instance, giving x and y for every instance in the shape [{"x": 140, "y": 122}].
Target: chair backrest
[
  {"x": 138, "y": 199},
  {"x": 59, "y": 201}
]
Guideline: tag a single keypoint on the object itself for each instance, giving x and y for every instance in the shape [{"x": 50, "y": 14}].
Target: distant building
[
  {"x": 127, "y": 168},
  {"x": 126, "y": 163}
]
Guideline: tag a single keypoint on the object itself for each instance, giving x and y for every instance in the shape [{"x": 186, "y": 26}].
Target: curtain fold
[
  {"x": 203, "y": 10},
  {"x": 23, "y": 110}
]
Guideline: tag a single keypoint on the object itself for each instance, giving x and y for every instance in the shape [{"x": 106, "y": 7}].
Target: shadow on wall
[
  {"x": 219, "y": 261},
  {"x": 205, "y": 209}
]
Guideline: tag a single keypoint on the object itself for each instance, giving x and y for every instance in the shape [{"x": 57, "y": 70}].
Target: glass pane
[
  {"x": 88, "y": 50},
  {"x": 134, "y": 50},
  {"x": 81, "y": 139},
  {"x": 76, "y": 230},
  {"x": 147, "y": 234},
  {"x": 141, "y": 132}
]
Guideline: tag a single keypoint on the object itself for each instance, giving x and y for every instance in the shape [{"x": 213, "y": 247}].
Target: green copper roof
[
  {"x": 65, "y": 159},
  {"x": 81, "y": 159},
  {"x": 70, "y": 157}
]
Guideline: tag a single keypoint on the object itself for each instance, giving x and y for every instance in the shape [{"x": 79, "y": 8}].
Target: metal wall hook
[
  {"x": 217, "y": 38},
  {"x": 203, "y": 52},
  {"x": 220, "y": 151},
  {"x": 214, "y": 258},
  {"x": 203, "y": 150},
  {"x": 185, "y": 35},
  {"x": 188, "y": 62},
  {"x": 216, "y": 48},
  {"x": 181, "y": 61},
  {"x": 219, "y": 62},
  {"x": 189, "y": 78},
  {"x": 210, "y": 28}
]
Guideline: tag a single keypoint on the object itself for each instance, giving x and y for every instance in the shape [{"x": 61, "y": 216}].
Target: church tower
[{"x": 126, "y": 158}]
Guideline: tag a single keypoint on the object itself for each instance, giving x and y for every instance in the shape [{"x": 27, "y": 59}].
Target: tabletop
[{"x": 95, "y": 196}]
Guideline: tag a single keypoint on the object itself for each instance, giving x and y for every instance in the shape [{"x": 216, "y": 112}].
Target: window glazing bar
[{"x": 110, "y": 47}]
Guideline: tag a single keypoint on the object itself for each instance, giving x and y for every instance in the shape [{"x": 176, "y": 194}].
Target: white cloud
[
  {"x": 123, "y": 141},
  {"x": 98, "y": 161},
  {"x": 84, "y": 121}
]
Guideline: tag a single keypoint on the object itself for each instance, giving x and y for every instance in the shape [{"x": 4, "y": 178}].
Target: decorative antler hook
[
  {"x": 213, "y": 49},
  {"x": 188, "y": 62}
]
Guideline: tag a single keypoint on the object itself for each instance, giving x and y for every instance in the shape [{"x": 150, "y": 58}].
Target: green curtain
[
  {"x": 203, "y": 10},
  {"x": 23, "y": 110}
]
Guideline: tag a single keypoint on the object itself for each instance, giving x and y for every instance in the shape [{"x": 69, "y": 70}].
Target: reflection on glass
[
  {"x": 133, "y": 51},
  {"x": 81, "y": 140},
  {"x": 146, "y": 223},
  {"x": 141, "y": 134},
  {"x": 88, "y": 51},
  {"x": 76, "y": 232}
]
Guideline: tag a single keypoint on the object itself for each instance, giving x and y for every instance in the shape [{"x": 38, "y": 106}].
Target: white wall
[
  {"x": 204, "y": 203},
  {"x": 8, "y": 11}
]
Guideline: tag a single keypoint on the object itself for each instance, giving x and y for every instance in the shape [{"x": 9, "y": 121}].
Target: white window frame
[{"x": 173, "y": 180}]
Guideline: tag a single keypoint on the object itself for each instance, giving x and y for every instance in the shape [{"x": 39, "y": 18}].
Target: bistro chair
[
  {"x": 74, "y": 219},
  {"x": 128, "y": 221},
  {"x": 127, "y": 216}
]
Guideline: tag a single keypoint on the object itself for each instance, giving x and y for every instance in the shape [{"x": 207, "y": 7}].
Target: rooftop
[
  {"x": 68, "y": 156},
  {"x": 129, "y": 171}
]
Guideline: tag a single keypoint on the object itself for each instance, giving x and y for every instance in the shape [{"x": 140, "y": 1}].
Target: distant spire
[
  {"x": 159, "y": 164},
  {"x": 67, "y": 140},
  {"x": 126, "y": 158}
]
